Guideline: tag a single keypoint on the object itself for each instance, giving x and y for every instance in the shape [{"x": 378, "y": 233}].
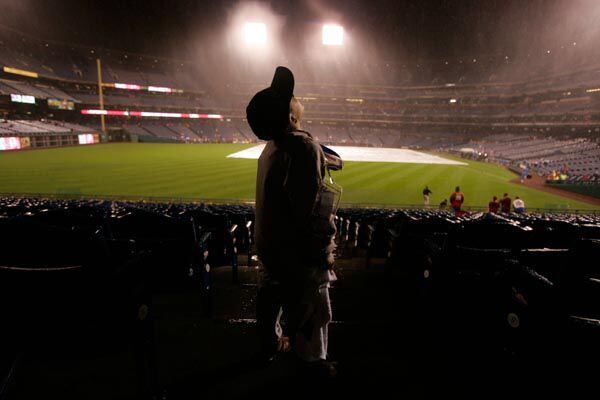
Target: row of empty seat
[
  {"x": 575, "y": 157},
  {"x": 38, "y": 127},
  {"x": 516, "y": 288},
  {"x": 39, "y": 91}
]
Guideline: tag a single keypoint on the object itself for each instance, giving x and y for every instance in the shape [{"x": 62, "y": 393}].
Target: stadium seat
[{"x": 65, "y": 293}]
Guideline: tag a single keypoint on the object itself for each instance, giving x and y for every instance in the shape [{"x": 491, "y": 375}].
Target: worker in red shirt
[
  {"x": 457, "y": 199},
  {"x": 494, "y": 205},
  {"x": 505, "y": 203}
]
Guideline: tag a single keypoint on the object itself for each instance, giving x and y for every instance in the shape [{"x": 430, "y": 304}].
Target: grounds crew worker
[
  {"x": 294, "y": 230},
  {"x": 426, "y": 193},
  {"x": 457, "y": 199}
]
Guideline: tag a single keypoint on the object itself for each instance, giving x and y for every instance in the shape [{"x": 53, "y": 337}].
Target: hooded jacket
[{"x": 289, "y": 239}]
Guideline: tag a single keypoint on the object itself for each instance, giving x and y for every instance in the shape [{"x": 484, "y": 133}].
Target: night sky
[{"x": 418, "y": 29}]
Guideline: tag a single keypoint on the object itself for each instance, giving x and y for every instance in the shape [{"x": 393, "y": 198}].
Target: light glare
[
  {"x": 255, "y": 33},
  {"x": 333, "y": 35}
]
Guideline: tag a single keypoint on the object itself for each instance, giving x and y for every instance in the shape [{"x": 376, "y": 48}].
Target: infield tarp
[{"x": 367, "y": 154}]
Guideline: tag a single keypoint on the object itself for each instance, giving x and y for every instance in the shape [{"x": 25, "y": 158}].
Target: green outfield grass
[{"x": 204, "y": 172}]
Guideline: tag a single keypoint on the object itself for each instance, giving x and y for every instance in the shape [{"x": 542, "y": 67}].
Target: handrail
[
  {"x": 229, "y": 201},
  {"x": 44, "y": 269}
]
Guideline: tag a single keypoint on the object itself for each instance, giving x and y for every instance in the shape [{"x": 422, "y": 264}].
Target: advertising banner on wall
[
  {"x": 22, "y": 98},
  {"x": 86, "y": 138},
  {"x": 10, "y": 143},
  {"x": 25, "y": 142},
  {"x": 61, "y": 104}
]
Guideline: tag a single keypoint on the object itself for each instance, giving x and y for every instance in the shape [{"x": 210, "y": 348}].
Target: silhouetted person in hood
[{"x": 294, "y": 227}]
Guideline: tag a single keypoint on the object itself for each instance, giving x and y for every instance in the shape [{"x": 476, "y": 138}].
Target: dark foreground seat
[{"x": 65, "y": 294}]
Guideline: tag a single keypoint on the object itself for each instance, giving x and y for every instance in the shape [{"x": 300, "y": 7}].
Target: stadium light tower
[
  {"x": 333, "y": 35},
  {"x": 255, "y": 33}
]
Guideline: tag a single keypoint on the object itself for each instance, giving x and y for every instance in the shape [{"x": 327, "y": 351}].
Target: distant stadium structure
[
  {"x": 319, "y": 198},
  {"x": 549, "y": 125}
]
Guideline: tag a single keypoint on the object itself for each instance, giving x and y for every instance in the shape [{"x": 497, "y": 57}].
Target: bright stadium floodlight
[
  {"x": 255, "y": 33},
  {"x": 333, "y": 35}
]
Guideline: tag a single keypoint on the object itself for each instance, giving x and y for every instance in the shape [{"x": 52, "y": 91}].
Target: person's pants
[
  {"x": 307, "y": 321},
  {"x": 311, "y": 340},
  {"x": 426, "y": 199}
]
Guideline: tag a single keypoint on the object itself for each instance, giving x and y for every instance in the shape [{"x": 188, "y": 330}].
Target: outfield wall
[
  {"x": 592, "y": 190},
  {"x": 46, "y": 140}
]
